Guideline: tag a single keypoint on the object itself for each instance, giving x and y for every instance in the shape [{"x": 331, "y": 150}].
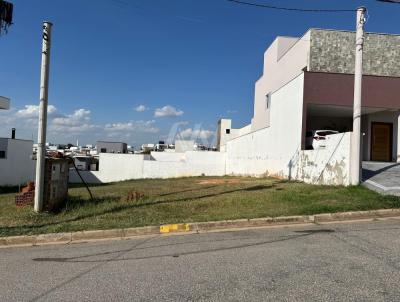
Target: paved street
[{"x": 334, "y": 262}]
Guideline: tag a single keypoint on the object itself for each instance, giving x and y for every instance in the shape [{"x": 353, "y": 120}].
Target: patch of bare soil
[{"x": 219, "y": 181}]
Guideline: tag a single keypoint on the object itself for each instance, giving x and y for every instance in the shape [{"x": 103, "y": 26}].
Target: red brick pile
[{"x": 26, "y": 196}]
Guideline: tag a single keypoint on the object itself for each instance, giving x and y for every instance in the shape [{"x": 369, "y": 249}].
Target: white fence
[
  {"x": 328, "y": 166},
  {"x": 119, "y": 167}
]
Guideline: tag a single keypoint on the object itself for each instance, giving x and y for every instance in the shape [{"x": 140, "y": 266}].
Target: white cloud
[
  {"x": 32, "y": 111},
  {"x": 74, "y": 124},
  {"x": 167, "y": 111},
  {"x": 196, "y": 134},
  {"x": 68, "y": 127},
  {"x": 140, "y": 108},
  {"x": 142, "y": 126},
  {"x": 79, "y": 117}
]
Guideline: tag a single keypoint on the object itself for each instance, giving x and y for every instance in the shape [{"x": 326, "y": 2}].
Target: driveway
[
  {"x": 332, "y": 262},
  {"x": 382, "y": 177}
]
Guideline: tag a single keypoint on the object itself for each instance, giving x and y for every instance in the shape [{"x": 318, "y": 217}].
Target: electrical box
[{"x": 55, "y": 183}]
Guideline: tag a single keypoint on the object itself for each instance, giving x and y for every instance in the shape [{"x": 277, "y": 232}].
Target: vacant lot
[{"x": 185, "y": 200}]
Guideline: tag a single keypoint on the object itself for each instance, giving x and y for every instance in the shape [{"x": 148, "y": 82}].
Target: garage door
[{"x": 381, "y": 142}]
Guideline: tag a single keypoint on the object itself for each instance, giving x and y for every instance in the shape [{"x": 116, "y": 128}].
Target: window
[
  {"x": 2, "y": 154},
  {"x": 103, "y": 150},
  {"x": 325, "y": 133},
  {"x": 228, "y": 131},
  {"x": 267, "y": 101}
]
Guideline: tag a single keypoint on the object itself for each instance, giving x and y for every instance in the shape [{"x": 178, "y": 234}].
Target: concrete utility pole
[
  {"x": 44, "y": 87},
  {"x": 355, "y": 149}
]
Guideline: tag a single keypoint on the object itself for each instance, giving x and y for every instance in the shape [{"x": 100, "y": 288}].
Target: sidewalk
[{"x": 382, "y": 177}]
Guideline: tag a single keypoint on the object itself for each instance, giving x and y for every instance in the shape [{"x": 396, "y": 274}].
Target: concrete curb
[
  {"x": 374, "y": 186},
  {"x": 197, "y": 227}
]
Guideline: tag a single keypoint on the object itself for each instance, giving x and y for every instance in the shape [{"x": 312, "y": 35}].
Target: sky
[{"x": 140, "y": 71}]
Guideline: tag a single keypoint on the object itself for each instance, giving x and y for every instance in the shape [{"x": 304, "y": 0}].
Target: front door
[{"x": 381, "y": 141}]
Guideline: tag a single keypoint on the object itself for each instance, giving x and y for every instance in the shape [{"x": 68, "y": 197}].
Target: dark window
[
  {"x": 267, "y": 101},
  {"x": 325, "y": 133},
  {"x": 228, "y": 131},
  {"x": 103, "y": 150},
  {"x": 2, "y": 154}
]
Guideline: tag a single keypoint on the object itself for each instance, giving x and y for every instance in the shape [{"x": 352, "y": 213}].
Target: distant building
[
  {"x": 4, "y": 103},
  {"x": 111, "y": 147},
  {"x": 147, "y": 148}
]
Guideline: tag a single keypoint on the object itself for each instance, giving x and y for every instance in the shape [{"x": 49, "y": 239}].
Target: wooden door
[{"x": 381, "y": 141}]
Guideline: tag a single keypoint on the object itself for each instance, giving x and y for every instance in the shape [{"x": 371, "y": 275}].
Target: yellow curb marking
[{"x": 168, "y": 228}]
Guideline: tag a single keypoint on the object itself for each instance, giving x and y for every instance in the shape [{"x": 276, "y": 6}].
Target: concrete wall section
[
  {"x": 195, "y": 163},
  {"x": 328, "y": 166},
  {"x": 112, "y": 168},
  {"x": 268, "y": 151},
  {"x": 119, "y": 167},
  {"x": 167, "y": 156},
  {"x": 18, "y": 167},
  {"x": 284, "y": 60},
  {"x": 208, "y": 163},
  {"x": 338, "y": 89},
  {"x": 333, "y": 51}
]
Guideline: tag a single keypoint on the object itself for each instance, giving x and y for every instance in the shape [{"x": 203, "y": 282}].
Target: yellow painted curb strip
[{"x": 169, "y": 228}]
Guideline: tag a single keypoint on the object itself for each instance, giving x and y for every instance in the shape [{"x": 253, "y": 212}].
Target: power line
[
  {"x": 293, "y": 9},
  {"x": 390, "y": 1}
]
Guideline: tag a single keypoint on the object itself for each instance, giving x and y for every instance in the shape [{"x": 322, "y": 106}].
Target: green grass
[{"x": 186, "y": 200}]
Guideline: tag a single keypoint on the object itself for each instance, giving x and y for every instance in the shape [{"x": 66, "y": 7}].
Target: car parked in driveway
[{"x": 316, "y": 139}]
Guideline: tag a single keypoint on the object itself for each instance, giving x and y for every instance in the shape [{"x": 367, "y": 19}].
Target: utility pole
[
  {"x": 355, "y": 149},
  {"x": 44, "y": 87}
]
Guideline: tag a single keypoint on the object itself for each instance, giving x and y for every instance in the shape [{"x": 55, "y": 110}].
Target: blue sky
[{"x": 184, "y": 62}]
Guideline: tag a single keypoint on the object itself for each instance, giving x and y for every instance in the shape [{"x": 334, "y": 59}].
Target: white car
[{"x": 316, "y": 139}]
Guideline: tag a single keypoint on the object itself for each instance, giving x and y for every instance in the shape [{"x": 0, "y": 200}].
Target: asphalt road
[{"x": 335, "y": 262}]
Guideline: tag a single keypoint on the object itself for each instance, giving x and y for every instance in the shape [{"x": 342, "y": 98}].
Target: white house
[{"x": 16, "y": 163}]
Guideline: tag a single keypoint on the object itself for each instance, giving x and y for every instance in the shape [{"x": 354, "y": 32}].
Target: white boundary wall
[
  {"x": 328, "y": 166},
  {"x": 119, "y": 167}
]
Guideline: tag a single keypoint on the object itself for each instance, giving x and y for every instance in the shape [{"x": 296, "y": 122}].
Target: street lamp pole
[
  {"x": 44, "y": 88},
  {"x": 355, "y": 158}
]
